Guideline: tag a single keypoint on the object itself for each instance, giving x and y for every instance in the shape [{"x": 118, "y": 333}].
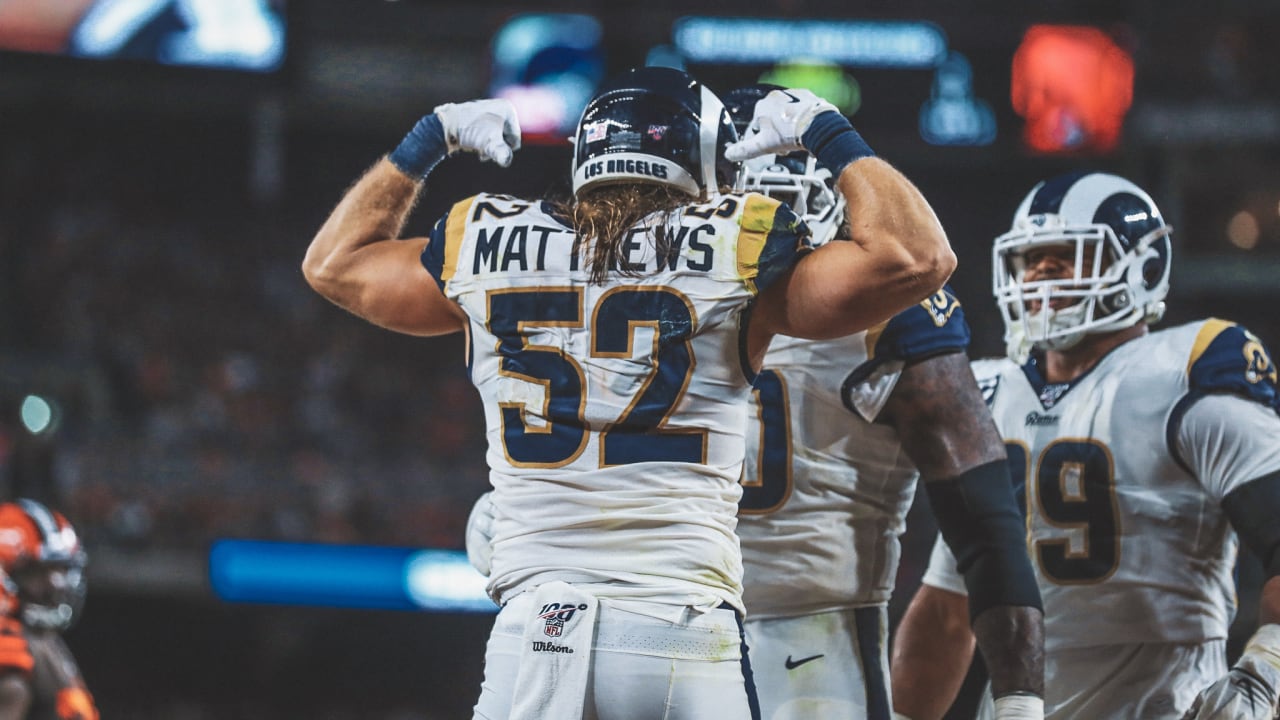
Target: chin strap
[{"x": 1016, "y": 345}]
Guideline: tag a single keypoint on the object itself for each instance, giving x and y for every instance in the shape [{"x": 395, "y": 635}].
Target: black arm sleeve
[
  {"x": 979, "y": 520},
  {"x": 1254, "y": 511}
]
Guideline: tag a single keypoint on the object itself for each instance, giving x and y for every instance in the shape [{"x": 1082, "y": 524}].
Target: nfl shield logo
[
  {"x": 1051, "y": 393},
  {"x": 553, "y": 628}
]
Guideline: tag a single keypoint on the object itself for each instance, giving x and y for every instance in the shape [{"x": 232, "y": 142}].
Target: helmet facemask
[
  {"x": 797, "y": 180},
  {"x": 1110, "y": 288},
  {"x": 794, "y": 178},
  {"x": 1113, "y": 239},
  {"x": 51, "y": 594}
]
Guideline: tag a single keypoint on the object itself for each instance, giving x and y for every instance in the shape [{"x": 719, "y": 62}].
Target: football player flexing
[
  {"x": 839, "y": 433},
  {"x": 1142, "y": 457},
  {"x": 612, "y": 341},
  {"x": 41, "y": 592}
]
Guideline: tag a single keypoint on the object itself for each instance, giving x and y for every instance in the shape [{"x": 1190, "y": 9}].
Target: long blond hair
[{"x": 602, "y": 216}]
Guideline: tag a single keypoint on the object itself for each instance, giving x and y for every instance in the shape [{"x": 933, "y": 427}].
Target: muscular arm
[
  {"x": 15, "y": 696},
  {"x": 940, "y": 417},
  {"x": 931, "y": 653},
  {"x": 359, "y": 263},
  {"x": 898, "y": 255},
  {"x": 947, "y": 431}
]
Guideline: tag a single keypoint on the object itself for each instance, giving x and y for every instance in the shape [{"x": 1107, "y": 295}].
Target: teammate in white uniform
[
  {"x": 837, "y": 432},
  {"x": 1140, "y": 457},
  {"x": 612, "y": 342}
]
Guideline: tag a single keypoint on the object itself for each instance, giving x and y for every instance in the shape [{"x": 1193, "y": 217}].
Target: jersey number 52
[{"x": 639, "y": 434}]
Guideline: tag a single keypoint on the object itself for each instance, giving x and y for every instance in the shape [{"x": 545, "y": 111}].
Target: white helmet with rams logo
[{"x": 1122, "y": 258}]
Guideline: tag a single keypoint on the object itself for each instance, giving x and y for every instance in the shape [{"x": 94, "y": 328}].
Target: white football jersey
[
  {"x": 615, "y": 412},
  {"x": 827, "y": 489},
  {"x": 1123, "y": 473}
]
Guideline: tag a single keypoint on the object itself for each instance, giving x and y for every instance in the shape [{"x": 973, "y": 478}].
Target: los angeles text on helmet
[
  {"x": 508, "y": 247},
  {"x": 628, "y": 166}
]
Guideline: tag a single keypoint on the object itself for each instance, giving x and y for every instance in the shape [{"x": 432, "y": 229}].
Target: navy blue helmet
[{"x": 654, "y": 125}]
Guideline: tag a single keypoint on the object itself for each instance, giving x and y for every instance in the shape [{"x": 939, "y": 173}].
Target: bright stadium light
[
  {"x": 37, "y": 414},
  {"x": 851, "y": 43},
  {"x": 444, "y": 581},
  {"x": 351, "y": 576}
]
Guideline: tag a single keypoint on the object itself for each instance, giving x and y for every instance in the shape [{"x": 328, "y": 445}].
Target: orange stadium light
[{"x": 1074, "y": 86}]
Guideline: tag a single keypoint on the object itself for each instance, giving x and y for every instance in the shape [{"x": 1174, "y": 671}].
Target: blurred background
[{"x": 167, "y": 379}]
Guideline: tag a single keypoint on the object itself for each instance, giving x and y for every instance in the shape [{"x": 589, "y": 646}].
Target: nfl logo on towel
[{"x": 556, "y": 615}]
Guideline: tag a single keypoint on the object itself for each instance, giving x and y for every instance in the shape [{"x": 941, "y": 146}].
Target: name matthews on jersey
[{"x": 507, "y": 247}]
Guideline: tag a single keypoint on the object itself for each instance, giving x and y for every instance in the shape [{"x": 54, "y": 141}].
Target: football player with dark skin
[
  {"x": 1146, "y": 459},
  {"x": 839, "y": 434}
]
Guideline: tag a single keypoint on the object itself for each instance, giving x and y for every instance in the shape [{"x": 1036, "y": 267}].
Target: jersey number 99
[{"x": 1074, "y": 491}]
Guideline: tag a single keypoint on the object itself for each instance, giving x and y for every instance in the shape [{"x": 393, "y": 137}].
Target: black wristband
[
  {"x": 422, "y": 149},
  {"x": 831, "y": 139}
]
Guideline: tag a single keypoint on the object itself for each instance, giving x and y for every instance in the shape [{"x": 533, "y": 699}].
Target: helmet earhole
[{"x": 1151, "y": 272}]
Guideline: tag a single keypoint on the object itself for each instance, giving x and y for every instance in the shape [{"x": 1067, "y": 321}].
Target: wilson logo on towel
[{"x": 540, "y": 646}]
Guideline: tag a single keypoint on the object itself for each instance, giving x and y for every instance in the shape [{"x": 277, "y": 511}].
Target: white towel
[{"x": 556, "y": 658}]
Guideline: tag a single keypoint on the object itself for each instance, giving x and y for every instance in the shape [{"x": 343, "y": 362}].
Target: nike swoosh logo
[
  {"x": 793, "y": 664},
  {"x": 793, "y": 99}
]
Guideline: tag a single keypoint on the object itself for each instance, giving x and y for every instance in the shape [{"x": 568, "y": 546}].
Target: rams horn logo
[
  {"x": 940, "y": 307},
  {"x": 1260, "y": 366}
]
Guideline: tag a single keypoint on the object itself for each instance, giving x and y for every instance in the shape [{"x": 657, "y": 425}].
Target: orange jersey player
[{"x": 41, "y": 589}]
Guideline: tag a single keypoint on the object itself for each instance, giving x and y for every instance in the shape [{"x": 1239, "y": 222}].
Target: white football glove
[
  {"x": 480, "y": 534},
  {"x": 1251, "y": 689},
  {"x": 488, "y": 128},
  {"x": 780, "y": 119}
]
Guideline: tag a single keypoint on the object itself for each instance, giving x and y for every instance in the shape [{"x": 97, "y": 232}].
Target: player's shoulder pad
[
  {"x": 15, "y": 654},
  {"x": 932, "y": 326},
  {"x": 1226, "y": 357},
  {"x": 771, "y": 237},
  {"x": 440, "y": 256}
]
